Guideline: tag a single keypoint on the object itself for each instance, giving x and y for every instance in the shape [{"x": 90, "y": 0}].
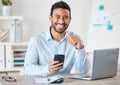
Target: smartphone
[{"x": 59, "y": 57}]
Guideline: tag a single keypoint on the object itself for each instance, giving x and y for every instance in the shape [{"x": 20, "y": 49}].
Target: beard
[{"x": 60, "y": 29}]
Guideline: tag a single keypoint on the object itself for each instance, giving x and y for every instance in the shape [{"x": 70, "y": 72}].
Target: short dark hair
[{"x": 60, "y": 4}]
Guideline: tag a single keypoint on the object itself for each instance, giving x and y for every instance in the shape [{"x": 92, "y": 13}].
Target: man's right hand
[{"x": 55, "y": 66}]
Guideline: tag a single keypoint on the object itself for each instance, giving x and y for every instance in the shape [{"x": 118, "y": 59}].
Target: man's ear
[
  {"x": 50, "y": 18},
  {"x": 70, "y": 19}
]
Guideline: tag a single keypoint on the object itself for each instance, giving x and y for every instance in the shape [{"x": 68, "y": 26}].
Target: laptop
[{"x": 104, "y": 65}]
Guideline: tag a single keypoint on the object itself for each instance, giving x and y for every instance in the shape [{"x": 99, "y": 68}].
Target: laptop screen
[{"x": 105, "y": 63}]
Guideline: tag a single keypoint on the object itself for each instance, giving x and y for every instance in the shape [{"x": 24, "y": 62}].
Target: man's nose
[{"x": 61, "y": 20}]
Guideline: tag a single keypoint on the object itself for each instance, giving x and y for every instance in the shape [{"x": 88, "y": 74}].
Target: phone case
[{"x": 59, "y": 57}]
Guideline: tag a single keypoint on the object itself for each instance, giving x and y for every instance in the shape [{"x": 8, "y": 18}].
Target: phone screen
[{"x": 59, "y": 57}]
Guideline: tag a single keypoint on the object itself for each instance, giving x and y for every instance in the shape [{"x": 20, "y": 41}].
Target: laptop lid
[{"x": 105, "y": 63}]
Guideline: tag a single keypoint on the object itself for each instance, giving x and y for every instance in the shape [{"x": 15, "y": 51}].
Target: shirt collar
[{"x": 49, "y": 37}]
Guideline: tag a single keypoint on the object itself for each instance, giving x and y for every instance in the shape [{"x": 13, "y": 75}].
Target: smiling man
[{"x": 42, "y": 47}]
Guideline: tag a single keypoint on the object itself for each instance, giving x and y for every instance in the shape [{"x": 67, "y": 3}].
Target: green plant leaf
[{"x": 6, "y": 3}]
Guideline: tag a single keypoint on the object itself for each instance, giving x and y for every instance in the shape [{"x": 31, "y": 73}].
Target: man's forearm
[
  {"x": 82, "y": 61},
  {"x": 32, "y": 69}
]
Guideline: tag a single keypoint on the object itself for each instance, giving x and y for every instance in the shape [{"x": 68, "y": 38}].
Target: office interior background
[{"x": 96, "y": 21}]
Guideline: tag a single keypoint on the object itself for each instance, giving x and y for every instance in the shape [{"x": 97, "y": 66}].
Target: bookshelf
[
  {"x": 12, "y": 49},
  {"x": 13, "y": 57}
]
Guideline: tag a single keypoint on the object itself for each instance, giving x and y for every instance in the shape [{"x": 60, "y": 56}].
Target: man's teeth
[{"x": 60, "y": 25}]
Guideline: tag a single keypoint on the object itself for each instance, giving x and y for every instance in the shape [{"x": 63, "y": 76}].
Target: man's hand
[
  {"x": 55, "y": 66},
  {"x": 75, "y": 41}
]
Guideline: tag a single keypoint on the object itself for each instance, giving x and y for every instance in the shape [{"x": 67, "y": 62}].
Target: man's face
[{"x": 60, "y": 20}]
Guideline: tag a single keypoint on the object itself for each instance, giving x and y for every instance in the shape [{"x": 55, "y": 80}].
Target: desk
[{"x": 28, "y": 80}]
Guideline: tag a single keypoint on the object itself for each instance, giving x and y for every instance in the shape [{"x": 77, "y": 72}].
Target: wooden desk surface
[{"x": 28, "y": 80}]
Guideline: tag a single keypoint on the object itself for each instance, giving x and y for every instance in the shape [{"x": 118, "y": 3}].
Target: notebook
[{"x": 104, "y": 65}]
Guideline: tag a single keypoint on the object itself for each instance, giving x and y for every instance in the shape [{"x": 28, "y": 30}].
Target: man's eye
[
  {"x": 57, "y": 17},
  {"x": 66, "y": 17}
]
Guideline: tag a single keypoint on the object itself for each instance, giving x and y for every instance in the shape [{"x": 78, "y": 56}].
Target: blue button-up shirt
[{"x": 41, "y": 51}]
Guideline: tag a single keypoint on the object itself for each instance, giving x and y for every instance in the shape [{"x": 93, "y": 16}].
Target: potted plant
[
  {"x": 6, "y": 3},
  {"x": 6, "y": 7}
]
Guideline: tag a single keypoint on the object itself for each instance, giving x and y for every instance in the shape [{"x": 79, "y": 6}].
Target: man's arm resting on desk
[{"x": 36, "y": 70}]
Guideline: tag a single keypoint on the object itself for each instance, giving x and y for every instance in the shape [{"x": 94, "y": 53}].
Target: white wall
[{"x": 36, "y": 15}]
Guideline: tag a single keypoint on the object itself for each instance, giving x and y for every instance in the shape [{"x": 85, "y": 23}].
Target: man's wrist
[{"x": 81, "y": 46}]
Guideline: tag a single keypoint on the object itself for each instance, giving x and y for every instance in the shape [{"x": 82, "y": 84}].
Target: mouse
[
  {"x": 51, "y": 79},
  {"x": 56, "y": 79}
]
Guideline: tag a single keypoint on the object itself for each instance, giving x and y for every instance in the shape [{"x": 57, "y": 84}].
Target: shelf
[
  {"x": 10, "y": 70},
  {"x": 14, "y": 44},
  {"x": 12, "y": 49},
  {"x": 11, "y": 18}
]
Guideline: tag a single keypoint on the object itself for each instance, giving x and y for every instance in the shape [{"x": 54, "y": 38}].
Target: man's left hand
[{"x": 75, "y": 41}]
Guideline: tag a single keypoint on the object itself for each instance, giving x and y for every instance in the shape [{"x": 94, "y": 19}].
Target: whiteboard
[{"x": 104, "y": 25}]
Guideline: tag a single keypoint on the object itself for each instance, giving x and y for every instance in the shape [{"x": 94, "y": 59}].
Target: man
[{"x": 39, "y": 59}]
